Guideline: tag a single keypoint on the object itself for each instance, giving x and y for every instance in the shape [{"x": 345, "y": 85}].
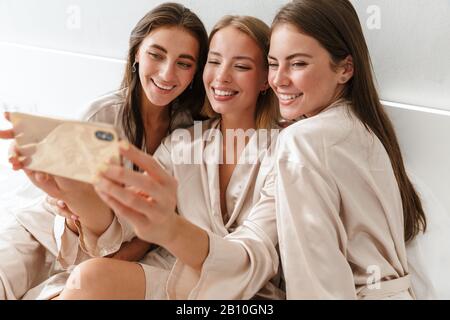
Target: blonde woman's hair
[{"x": 267, "y": 114}]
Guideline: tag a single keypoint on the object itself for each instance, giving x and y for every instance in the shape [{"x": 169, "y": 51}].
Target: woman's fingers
[
  {"x": 56, "y": 202},
  {"x": 13, "y": 157},
  {"x": 7, "y": 134},
  {"x": 51, "y": 201},
  {"x": 20, "y": 157},
  {"x": 12, "y": 151},
  {"x": 60, "y": 208},
  {"x": 127, "y": 177},
  {"x": 26, "y": 150},
  {"x": 144, "y": 161},
  {"x": 135, "y": 218},
  {"x": 125, "y": 196}
]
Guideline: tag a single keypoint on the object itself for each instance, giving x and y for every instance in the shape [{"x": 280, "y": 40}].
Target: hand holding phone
[{"x": 66, "y": 148}]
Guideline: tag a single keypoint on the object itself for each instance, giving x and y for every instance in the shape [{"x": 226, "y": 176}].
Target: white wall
[
  {"x": 409, "y": 41},
  {"x": 63, "y": 53},
  {"x": 56, "y": 55},
  {"x": 411, "y": 50}
]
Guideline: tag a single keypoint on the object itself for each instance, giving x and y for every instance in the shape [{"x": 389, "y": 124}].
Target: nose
[
  {"x": 223, "y": 75},
  {"x": 280, "y": 78},
  {"x": 167, "y": 72}
]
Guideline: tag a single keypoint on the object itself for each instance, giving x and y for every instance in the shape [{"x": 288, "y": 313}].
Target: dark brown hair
[
  {"x": 191, "y": 100},
  {"x": 336, "y": 26},
  {"x": 267, "y": 112}
]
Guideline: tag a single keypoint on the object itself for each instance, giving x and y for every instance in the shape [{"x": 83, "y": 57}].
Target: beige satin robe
[
  {"x": 242, "y": 252},
  {"x": 339, "y": 211}
]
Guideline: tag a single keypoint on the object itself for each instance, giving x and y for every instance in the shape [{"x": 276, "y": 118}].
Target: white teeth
[
  {"x": 162, "y": 86},
  {"x": 289, "y": 96},
  {"x": 224, "y": 93}
]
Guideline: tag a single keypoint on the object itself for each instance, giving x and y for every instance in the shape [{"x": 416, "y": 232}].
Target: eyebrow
[
  {"x": 235, "y": 58},
  {"x": 183, "y": 55},
  {"x": 292, "y": 56}
]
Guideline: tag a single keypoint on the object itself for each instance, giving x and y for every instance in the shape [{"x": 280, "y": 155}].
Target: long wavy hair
[
  {"x": 192, "y": 99},
  {"x": 267, "y": 112},
  {"x": 336, "y": 26}
]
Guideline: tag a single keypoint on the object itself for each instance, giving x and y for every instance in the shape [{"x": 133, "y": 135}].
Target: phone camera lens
[{"x": 105, "y": 136}]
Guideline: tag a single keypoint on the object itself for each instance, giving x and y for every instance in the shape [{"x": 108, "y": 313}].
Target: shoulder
[
  {"x": 106, "y": 107},
  {"x": 310, "y": 138}
]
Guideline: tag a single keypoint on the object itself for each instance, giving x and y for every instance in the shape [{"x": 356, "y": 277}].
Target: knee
[{"x": 87, "y": 280}]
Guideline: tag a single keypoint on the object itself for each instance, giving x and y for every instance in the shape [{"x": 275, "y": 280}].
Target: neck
[
  {"x": 233, "y": 148},
  {"x": 339, "y": 95},
  {"x": 153, "y": 115},
  {"x": 237, "y": 121}
]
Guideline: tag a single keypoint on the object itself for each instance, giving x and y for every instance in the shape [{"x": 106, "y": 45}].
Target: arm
[
  {"x": 244, "y": 260},
  {"x": 152, "y": 197},
  {"x": 311, "y": 234},
  {"x": 81, "y": 199},
  {"x": 134, "y": 250}
]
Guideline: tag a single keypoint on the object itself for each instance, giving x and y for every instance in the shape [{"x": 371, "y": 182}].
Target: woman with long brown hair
[
  {"x": 162, "y": 90},
  {"x": 345, "y": 205}
]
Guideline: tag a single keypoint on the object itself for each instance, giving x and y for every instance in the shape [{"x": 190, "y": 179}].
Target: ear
[
  {"x": 138, "y": 53},
  {"x": 346, "y": 70}
]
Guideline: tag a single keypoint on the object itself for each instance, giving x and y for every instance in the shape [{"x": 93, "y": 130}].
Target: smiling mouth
[
  {"x": 163, "y": 87},
  {"x": 224, "y": 93},
  {"x": 289, "y": 97}
]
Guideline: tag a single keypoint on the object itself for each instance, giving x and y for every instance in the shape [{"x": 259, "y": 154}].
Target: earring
[
  {"x": 133, "y": 69},
  {"x": 263, "y": 93},
  {"x": 191, "y": 86}
]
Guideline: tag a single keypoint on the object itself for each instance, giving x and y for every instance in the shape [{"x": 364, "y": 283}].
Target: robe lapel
[
  {"x": 210, "y": 174},
  {"x": 241, "y": 181}
]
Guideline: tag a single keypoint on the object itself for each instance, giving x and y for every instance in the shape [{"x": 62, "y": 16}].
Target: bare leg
[{"x": 105, "y": 279}]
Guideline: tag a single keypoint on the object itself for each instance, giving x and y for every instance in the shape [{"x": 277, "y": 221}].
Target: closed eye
[
  {"x": 185, "y": 65},
  {"x": 155, "y": 56},
  {"x": 299, "y": 64},
  {"x": 242, "y": 67}
]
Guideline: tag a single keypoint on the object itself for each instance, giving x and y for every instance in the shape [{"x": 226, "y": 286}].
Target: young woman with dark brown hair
[
  {"x": 345, "y": 205},
  {"x": 162, "y": 90}
]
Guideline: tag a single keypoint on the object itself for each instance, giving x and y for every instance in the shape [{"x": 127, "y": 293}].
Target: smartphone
[{"x": 66, "y": 148}]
